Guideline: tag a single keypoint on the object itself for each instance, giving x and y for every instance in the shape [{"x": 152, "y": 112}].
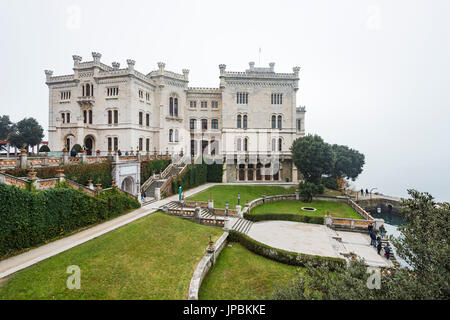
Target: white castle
[{"x": 248, "y": 123}]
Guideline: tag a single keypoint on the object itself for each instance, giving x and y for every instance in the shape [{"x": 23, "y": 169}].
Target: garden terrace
[{"x": 151, "y": 258}]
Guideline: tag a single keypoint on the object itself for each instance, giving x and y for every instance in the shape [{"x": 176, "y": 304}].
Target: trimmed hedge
[
  {"x": 286, "y": 257},
  {"x": 81, "y": 173},
  {"x": 153, "y": 166},
  {"x": 198, "y": 174},
  {"x": 31, "y": 218},
  {"x": 285, "y": 217}
]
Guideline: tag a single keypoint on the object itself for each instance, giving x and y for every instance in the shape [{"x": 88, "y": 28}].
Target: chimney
[
  {"x": 116, "y": 65},
  {"x": 252, "y": 65},
  {"x": 97, "y": 56},
  {"x": 76, "y": 60},
  {"x": 48, "y": 74},
  {"x": 131, "y": 64},
  {"x": 186, "y": 74},
  {"x": 272, "y": 66}
]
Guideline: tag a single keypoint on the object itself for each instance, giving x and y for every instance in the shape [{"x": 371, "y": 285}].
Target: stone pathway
[{"x": 316, "y": 239}]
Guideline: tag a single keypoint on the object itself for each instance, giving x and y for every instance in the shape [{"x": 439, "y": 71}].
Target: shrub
[
  {"x": 308, "y": 190},
  {"x": 77, "y": 148},
  {"x": 31, "y": 218},
  {"x": 81, "y": 173},
  {"x": 287, "y": 257},
  {"x": 284, "y": 217},
  {"x": 153, "y": 166},
  {"x": 44, "y": 148},
  {"x": 198, "y": 174}
]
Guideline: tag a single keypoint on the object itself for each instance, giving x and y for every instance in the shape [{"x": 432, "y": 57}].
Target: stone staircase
[{"x": 242, "y": 225}]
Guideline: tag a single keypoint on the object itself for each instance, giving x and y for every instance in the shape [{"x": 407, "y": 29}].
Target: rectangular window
[
  {"x": 116, "y": 144},
  {"x": 112, "y": 91},
  {"x": 116, "y": 116},
  {"x": 215, "y": 124},
  {"x": 193, "y": 104},
  {"x": 140, "y": 143},
  {"x": 140, "y": 118},
  {"x": 68, "y": 117},
  {"x": 276, "y": 98},
  {"x": 242, "y": 98},
  {"x": 147, "y": 96},
  {"x": 147, "y": 145},
  {"x": 63, "y": 115},
  {"x": 204, "y": 124},
  {"x": 147, "y": 119},
  {"x": 109, "y": 117},
  {"x": 204, "y": 104},
  {"x": 214, "y": 104},
  {"x": 141, "y": 94},
  {"x": 65, "y": 95},
  {"x": 90, "y": 116},
  {"x": 299, "y": 124},
  {"x": 109, "y": 144}
]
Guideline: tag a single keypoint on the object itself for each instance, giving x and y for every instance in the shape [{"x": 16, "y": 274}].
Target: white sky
[{"x": 375, "y": 74}]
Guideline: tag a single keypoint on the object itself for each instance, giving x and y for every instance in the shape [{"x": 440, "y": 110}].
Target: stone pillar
[
  {"x": 377, "y": 223},
  {"x": 65, "y": 157},
  {"x": 297, "y": 195},
  {"x": 23, "y": 159},
  {"x": 328, "y": 220},
  {"x": 83, "y": 156},
  {"x": 294, "y": 173},
  {"x": 197, "y": 213},
  {"x": 97, "y": 156},
  {"x": 210, "y": 203},
  {"x": 116, "y": 156},
  {"x": 60, "y": 174},
  {"x": 157, "y": 194},
  {"x": 32, "y": 177},
  {"x": 98, "y": 187},
  {"x": 45, "y": 159},
  {"x": 90, "y": 185},
  {"x": 239, "y": 211},
  {"x": 138, "y": 155}
]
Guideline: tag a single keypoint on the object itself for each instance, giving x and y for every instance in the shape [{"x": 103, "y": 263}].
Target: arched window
[
  {"x": 279, "y": 122},
  {"x": 88, "y": 90},
  {"x": 171, "y": 106},
  {"x": 280, "y": 144},
  {"x": 245, "y": 144},
  {"x": 170, "y": 135},
  {"x": 109, "y": 117},
  {"x": 68, "y": 117},
  {"x": 176, "y": 135},
  {"x": 90, "y": 116},
  {"x": 239, "y": 144},
  {"x": 274, "y": 122},
  {"x": 84, "y": 116},
  {"x": 175, "y": 102},
  {"x": 245, "y": 122},
  {"x": 239, "y": 119},
  {"x": 63, "y": 115}
]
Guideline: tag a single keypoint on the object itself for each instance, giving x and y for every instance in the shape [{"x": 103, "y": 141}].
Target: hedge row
[
  {"x": 285, "y": 217},
  {"x": 31, "y": 218},
  {"x": 286, "y": 257},
  {"x": 81, "y": 173},
  {"x": 153, "y": 166},
  {"x": 198, "y": 174}
]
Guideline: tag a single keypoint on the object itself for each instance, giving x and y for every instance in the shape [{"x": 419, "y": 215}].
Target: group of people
[{"x": 375, "y": 240}]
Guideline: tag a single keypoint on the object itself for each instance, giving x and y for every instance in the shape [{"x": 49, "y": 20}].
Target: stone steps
[{"x": 242, "y": 225}]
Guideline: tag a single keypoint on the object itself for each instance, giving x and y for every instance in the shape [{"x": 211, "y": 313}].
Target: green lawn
[
  {"x": 228, "y": 193},
  {"x": 151, "y": 258},
  {"x": 241, "y": 274},
  {"x": 336, "y": 209}
]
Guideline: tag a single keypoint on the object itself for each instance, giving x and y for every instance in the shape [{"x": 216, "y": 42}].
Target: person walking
[
  {"x": 362, "y": 192},
  {"x": 370, "y": 228},
  {"x": 379, "y": 247},
  {"x": 142, "y": 195},
  {"x": 387, "y": 251},
  {"x": 367, "y": 193},
  {"x": 373, "y": 238}
]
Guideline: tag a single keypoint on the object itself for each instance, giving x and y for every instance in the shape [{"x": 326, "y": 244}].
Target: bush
[
  {"x": 81, "y": 173},
  {"x": 44, "y": 148},
  {"x": 308, "y": 190},
  {"x": 330, "y": 183},
  {"x": 77, "y": 148},
  {"x": 153, "y": 166},
  {"x": 31, "y": 218},
  {"x": 287, "y": 257},
  {"x": 284, "y": 217},
  {"x": 198, "y": 174}
]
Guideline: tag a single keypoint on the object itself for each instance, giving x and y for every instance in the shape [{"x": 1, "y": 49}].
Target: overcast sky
[{"x": 375, "y": 75}]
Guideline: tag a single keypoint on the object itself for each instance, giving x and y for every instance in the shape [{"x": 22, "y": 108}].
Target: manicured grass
[
  {"x": 241, "y": 274},
  {"x": 336, "y": 209},
  {"x": 151, "y": 258},
  {"x": 228, "y": 193}
]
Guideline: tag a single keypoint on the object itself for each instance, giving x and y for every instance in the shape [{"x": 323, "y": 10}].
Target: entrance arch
[
  {"x": 128, "y": 185},
  {"x": 89, "y": 144}
]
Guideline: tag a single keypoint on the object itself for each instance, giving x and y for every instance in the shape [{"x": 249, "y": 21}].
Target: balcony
[{"x": 86, "y": 101}]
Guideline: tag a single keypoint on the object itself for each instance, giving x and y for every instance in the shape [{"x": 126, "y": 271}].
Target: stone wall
[{"x": 204, "y": 265}]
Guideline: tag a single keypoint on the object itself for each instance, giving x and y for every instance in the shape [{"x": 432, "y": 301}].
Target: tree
[
  {"x": 348, "y": 163},
  {"x": 424, "y": 246},
  {"x": 308, "y": 190},
  {"x": 27, "y": 132},
  {"x": 44, "y": 148},
  {"x": 6, "y": 127},
  {"x": 313, "y": 157}
]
